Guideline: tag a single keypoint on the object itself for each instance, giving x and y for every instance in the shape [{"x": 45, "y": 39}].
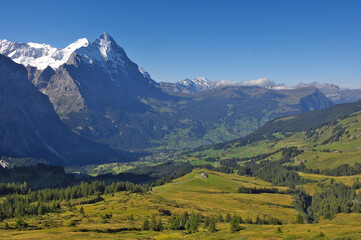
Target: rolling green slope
[
  {"x": 122, "y": 214},
  {"x": 328, "y": 138}
]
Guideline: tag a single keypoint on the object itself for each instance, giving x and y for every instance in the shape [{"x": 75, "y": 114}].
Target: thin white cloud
[
  {"x": 225, "y": 83},
  {"x": 259, "y": 82}
]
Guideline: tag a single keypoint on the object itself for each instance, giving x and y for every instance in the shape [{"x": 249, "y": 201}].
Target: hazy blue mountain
[{"x": 336, "y": 94}]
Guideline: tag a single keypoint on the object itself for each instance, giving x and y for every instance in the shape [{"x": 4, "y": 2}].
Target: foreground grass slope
[{"x": 120, "y": 215}]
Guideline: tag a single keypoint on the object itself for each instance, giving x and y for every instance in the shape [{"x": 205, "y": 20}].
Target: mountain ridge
[
  {"x": 31, "y": 128},
  {"x": 105, "y": 97}
]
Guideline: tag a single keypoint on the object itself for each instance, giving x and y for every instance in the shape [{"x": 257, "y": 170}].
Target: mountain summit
[
  {"x": 38, "y": 55},
  {"x": 29, "y": 126},
  {"x": 105, "y": 97},
  {"x": 106, "y": 51}
]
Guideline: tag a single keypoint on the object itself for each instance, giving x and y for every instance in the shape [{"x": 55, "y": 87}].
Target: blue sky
[{"x": 286, "y": 41}]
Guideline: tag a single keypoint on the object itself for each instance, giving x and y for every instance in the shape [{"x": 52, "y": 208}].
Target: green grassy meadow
[{"x": 212, "y": 196}]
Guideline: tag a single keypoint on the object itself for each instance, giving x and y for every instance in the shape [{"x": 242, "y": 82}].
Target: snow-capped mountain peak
[
  {"x": 198, "y": 81},
  {"x": 145, "y": 73},
  {"x": 105, "y": 51},
  {"x": 195, "y": 85},
  {"x": 39, "y": 55}
]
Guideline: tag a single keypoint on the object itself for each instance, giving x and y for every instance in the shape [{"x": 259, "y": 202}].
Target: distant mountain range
[
  {"x": 335, "y": 93},
  {"x": 190, "y": 86},
  {"x": 101, "y": 95}
]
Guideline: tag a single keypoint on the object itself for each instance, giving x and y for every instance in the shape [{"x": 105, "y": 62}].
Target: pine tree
[
  {"x": 212, "y": 226},
  {"x": 174, "y": 223},
  {"x": 206, "y": 222},
  {"x": 159, "y": 225},
  {"x": 146, "y": 225},
  {"x": 192, "y": 224},
  {"x": 153, "y": 223},
  {"x": 228, "y": 217},
  {"x": 258, "y": 220},
  {"x": 235, "y": 225},
  {"x": 81, "y": 210}
]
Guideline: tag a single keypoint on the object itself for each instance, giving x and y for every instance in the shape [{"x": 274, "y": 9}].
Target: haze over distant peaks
[{"x": 200, "y": 84}]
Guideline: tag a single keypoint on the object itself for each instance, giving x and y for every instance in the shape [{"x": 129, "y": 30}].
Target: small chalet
[{"x": 204, "y": 175}]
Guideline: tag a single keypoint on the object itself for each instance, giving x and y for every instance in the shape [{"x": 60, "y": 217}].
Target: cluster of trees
[
  {"x": 302, "y": 202},
  {"x": 341, "y": 170},
  {"x": 336, "y": 198},
  {"x": 185, "y": 221},
  {"x": 289, "y": 153},
  {"x": 192, "y": 222},
  {"x": 235, "y": 219},
  {"x": 84, "y": 189},
  {"x": 272, "y": 172},
  {"x": 37, "y": 177},
  {"x": 277, "y": 174},
  {"x": 153, "y": 224},
  {"x": 19, "y": 206},
  {"x": 255, "y": 190},
  {"x": 47, "y": 200},
  {"x": 164, "y": 172},
  {"x": 337, "y": 133},
  {"x": 11, "y": 188},
  {"x": 44, "y": 176},
  {"x": 333, "y": 199}
]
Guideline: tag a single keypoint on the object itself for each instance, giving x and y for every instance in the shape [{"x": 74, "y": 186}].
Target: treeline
[
  {"x": 336, "y": 198},
  {"x": 19, "y": 206},
  {"x": 164, "y": 172},
  {"x": 47, "y": 200},
  {"x": 302, "y": 202},
  {"x": 289, "y": 153},
  {"x": 47, "y": 176},
  {"x": 255, "y": 190},
  {"x": 276, "y": 174},
  {"x": 341, "y": 170},
  {"x": 270, "y": 171},
  {"x": 11, "y": 188},
  {"x": 192, "y": 222},
  {"x": 273, "y": 171},
  {"x": 37, "y": 177},
  {"x": 333, "y": 199},
  {"x": 84, "y": 189}
]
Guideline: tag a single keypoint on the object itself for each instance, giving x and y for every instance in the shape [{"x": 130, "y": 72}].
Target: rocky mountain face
[
  {"x": 335, "y": 93},
  {"x": 29, "y": 126},
  {"x": 105, "y": 97}
]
